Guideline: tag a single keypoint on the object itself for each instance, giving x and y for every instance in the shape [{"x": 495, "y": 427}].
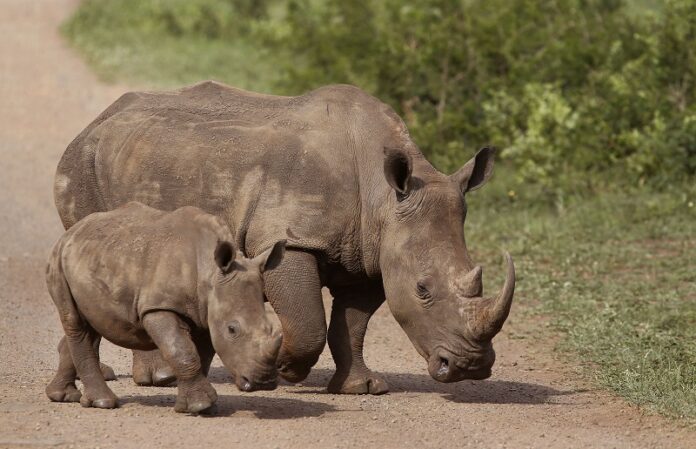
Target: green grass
[
  {"x": 615, "y": 271},
  {"x": 615, "y": 274}
]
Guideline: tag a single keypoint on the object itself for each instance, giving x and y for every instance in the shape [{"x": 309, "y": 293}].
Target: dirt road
[{"x": 47, "y": 96}]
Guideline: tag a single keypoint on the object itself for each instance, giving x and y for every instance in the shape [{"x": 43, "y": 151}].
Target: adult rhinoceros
[{"x": 335, "y": 173}]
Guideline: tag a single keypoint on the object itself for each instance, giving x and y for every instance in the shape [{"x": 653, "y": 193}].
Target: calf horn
[{"x": 496, "y": 310}]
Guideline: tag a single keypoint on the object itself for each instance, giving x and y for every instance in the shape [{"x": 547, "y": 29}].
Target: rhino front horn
[{"x": 496, "y": 310}]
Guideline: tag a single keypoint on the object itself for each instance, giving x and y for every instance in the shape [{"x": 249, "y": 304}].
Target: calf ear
[
  {"x": 224, "y": 256},
  {"x": 397, "y": 169},
  {"x": 477, "y": 171},
  {"x": 272, "y": 257}
]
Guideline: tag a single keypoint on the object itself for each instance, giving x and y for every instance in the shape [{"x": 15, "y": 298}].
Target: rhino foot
[
  {"x": 294, "y": 373},
  {"x": 107, "y": 372},
  {"x": 58, "y": 391},
  {"x": 195, "y": 396},
  {"x": 358, "y": 383},
  {"x": 107, "y": 401},
  {"x": 150, "y": 369}
]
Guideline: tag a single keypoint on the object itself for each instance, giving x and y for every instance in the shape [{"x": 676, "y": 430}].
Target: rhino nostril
[
  {"x": 245, "y": 384},
  {"x": 444, "y": 367}
]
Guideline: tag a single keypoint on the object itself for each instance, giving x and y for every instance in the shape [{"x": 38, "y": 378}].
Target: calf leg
[
  {"x": 106, "y": 370},
  {"x": 62, "y": 388},
  {"x": 173, "y": 338},
  {"x": 294, "y": 290},
  {"x": 80, "y": 338},
  {"x": 351, "y": 311},
  {"x": 206, "y": 352},
  {"x": 81, "y": 343}
]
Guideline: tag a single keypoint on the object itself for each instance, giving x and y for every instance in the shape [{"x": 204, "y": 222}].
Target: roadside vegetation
[
  {"x": 592, "y": 103},
  {"x": 614, "y": 273}
]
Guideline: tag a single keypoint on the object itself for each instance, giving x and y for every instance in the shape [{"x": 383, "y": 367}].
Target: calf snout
[
  {"x": 262, "y": 374},
  {"x": 248, "y": 385}
]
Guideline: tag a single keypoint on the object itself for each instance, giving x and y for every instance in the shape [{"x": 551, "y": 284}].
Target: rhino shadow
[
  {"x": 261, "y": 406},
  {"x": 490, "y": 391}
]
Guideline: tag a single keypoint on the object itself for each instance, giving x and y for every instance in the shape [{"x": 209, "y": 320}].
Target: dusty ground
[{"x": 47, "y": 96}]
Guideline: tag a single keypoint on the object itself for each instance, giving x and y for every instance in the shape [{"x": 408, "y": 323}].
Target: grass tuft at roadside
[{"x": 616, "y": 275}]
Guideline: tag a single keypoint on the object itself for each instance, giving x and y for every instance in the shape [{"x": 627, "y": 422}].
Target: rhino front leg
[
  {"x": 352, "y": 309},
  {"x": 206, "y": 352},
  {"x": 294, "y": 290},
  {"x": 150, "y": 368},
  {"x": 173, "y": 337}
]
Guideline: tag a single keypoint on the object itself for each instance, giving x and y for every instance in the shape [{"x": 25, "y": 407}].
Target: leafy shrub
[
  {"x": 566, "y": 88},
  {"x": 576, "y": 93},
  {"x": 200, "y": 18}
]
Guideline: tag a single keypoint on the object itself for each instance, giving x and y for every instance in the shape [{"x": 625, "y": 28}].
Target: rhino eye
[
  {"x": 233, "y": 328},
  {"x": 422, "y": 290}
]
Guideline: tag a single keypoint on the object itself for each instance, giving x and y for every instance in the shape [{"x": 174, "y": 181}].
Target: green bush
[
  {"x": 577, "y": 93},
  {"x": 210, "y": 19},
  {"x": 570, "y": 90}
]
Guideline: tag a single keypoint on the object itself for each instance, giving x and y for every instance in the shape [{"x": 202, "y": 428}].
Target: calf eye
[
  {"x": 422, "y": 290},
  {"x": 233, "y": 328}
]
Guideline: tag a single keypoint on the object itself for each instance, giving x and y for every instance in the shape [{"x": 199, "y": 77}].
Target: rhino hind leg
[
  {"x": 62, "y": 388},
  {"x": 80, "y": 341},
  {"x": 351, "y": 311},
  {"x": 294, "y": 290},
  {"x": 97, "y": 394},
  {"x": 105, "y": 369},
  {"x": 150, "y": 369}
]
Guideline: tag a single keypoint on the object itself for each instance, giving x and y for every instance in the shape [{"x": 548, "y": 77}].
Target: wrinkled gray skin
[
  {"x": 147, "y": 279},
  {"x": 336, "y": 173}
]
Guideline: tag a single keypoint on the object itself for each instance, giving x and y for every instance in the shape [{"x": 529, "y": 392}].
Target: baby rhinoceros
[{"x": 145, "y": 279}]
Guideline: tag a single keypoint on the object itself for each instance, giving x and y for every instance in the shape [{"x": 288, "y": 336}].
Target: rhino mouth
[
  {"x": 444, "y": 366},
  {"x": 248, "y": 385}
]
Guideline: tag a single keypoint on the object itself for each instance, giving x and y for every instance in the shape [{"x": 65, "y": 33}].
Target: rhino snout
[{"x": 444, "y": 366}]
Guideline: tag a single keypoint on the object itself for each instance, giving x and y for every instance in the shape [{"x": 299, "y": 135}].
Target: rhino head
[
  {"x": 433, "y": 288},
  {"x": 240, "y": 330}
]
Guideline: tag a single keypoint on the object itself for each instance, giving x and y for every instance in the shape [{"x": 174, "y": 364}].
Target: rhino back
[
  {"x": 272, "y": 167},
  {"x": 134, "y": 259}
]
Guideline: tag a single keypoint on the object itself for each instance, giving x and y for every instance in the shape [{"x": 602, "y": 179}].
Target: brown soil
[{"x": 47, "y": 96}]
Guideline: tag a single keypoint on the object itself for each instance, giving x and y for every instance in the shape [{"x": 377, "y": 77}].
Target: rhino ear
[
  {"x": 477, "y": 171},
  {"x": 272, "y": 257},
  {"x": 397, "y": 169},
  {"x": 224, "y": 256}
]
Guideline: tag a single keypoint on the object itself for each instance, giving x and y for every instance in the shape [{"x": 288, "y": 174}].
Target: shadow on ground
[
  {"x": 490, "y": 391},
  {"x": 262, "y": 407}
]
